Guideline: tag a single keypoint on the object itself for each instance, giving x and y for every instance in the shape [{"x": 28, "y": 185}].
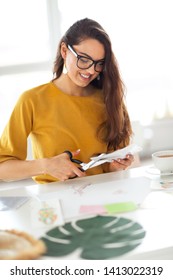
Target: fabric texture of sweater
[{"x": 55, "y": 122}]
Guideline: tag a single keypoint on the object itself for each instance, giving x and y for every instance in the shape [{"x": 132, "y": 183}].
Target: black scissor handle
[
  {"x": 69, "y": 154},
  {"x": 74, "y": 159}
]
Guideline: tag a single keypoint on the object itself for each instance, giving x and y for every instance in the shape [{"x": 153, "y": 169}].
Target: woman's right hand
[{"x": 61, "y": 167}]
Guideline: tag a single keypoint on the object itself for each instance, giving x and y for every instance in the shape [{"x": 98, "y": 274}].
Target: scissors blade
[
  {"x": 93, "y": 163},
  {"x": 86, "y": 166}
]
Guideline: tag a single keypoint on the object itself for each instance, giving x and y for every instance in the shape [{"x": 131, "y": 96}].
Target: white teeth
[{"x": 85, "y": 76}]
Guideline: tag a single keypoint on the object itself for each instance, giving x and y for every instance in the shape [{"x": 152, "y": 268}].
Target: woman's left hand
[{"x": 121, "y": 164}]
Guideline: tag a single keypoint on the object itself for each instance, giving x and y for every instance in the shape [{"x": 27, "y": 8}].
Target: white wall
[{"x": 154, "y": 137}]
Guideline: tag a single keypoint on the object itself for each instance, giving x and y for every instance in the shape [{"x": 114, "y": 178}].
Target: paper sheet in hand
[
  {"x": 131, "y": 149},
  {"x": 102, "y": 158}
]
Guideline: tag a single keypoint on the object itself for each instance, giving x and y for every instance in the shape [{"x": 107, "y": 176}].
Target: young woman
[{"x": 81, "y": 110}]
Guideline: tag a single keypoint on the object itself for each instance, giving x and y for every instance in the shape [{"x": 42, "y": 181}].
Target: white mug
[{"x": 163, "y": 160}]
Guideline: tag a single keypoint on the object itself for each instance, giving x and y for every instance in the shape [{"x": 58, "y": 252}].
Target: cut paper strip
[
  {"x": 108, "y": 208},
  {"x": 120, "y": 207},
  {"x": 92, "y": 209}
]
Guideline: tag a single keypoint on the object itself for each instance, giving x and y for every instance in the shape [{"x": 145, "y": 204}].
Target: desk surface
[{"x": 135, "y": 184}]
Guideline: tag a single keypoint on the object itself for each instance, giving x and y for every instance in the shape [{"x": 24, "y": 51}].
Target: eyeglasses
[{"x": 84, "y": 62}]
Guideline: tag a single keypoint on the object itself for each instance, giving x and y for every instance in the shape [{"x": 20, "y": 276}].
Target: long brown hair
[{"x": 116, "y": 130}]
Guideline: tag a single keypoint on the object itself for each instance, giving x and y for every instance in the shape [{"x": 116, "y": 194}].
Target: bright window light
[{"x": 24, "y": 32}]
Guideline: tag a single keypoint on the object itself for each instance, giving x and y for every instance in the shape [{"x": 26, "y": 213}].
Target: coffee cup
[{"x": 163, "y": 160}]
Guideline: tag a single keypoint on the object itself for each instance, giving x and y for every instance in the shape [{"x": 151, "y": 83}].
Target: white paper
[
  {"x": 131, "y": 149},
  {"x": 102, "y": 158},
  {"x": 83, "y": 192}
]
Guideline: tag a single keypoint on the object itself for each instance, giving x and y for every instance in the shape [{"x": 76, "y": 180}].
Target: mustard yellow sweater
[{"x": 55, "y": 122}]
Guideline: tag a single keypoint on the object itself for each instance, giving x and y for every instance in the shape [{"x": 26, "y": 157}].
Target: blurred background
[{"x": 140, "y": 31}]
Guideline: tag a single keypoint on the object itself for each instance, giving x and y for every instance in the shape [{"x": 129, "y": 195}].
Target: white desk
[{"x": 157, "y": 221}]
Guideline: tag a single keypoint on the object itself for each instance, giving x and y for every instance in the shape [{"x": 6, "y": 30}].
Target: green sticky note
[{"x": 120, "y": 207}]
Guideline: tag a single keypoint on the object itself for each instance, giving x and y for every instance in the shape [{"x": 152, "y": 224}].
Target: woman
[{"x": 81, "y": 110}]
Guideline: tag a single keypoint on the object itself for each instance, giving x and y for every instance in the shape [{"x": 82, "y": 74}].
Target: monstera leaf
[{"x": 99, "y": 237}]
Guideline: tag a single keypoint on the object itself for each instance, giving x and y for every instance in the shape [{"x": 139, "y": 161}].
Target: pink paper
[{"x": 92, "y": 209}]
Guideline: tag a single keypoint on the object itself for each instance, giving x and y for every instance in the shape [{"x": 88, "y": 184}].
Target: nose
[{"x": 91, "y": 70}]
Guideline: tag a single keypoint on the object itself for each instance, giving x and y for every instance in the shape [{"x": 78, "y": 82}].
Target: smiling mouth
[{"x": 85, "y": 76}]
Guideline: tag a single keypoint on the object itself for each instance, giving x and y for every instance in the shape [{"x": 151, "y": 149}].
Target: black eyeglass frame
[{"x": 95, "y": 62}]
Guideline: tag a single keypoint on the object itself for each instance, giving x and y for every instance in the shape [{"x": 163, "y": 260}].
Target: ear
[{"x": 63, "y": 50}]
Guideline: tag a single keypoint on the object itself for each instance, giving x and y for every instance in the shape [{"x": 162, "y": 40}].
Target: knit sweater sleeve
[{"x": 13, "y": 142}]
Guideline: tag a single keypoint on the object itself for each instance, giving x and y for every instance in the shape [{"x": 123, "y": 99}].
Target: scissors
[
  {"x": 74, "y": 160},
  {"x": 84, "y": 166},
  {"x": 102, "y": 158}
]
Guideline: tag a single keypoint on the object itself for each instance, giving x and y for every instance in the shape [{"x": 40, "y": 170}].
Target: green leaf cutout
[{"x": 99, "y": 237}]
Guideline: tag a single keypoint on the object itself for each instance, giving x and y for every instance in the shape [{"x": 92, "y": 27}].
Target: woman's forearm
[
  {"x": 60, "y": 167},
  {"x": 18, "y": 169}
]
